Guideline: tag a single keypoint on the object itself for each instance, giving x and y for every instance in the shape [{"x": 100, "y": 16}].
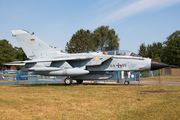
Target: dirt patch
[{"x": 155, "y": 91}]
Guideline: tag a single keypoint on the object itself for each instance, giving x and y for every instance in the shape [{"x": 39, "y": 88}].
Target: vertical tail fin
[{"x": 32, "y": 46}]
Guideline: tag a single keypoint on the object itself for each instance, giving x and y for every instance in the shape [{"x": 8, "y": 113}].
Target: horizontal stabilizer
[{"x": 18, "y": 63}]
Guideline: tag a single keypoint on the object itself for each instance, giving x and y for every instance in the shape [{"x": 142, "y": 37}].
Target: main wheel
[
  {"x": 68, "y": 81},
  {"x": 79, "y": 81},
  {"x": 126, "y": 82}
]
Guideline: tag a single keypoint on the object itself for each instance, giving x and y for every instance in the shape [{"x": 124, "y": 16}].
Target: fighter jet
[{"x": 48, "y": 61}]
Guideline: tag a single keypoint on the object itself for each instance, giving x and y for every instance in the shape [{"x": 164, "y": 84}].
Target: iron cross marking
[{"x": 118, "y": 65}]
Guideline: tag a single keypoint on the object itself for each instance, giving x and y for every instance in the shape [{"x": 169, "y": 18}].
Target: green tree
[
  {"x": 6, "y": 52},
  {"x": 143, "y": 50},
  {"x": 152, "y": 51},
  {"x": 80, "y": 42},
  {"x": 158, "y": 59},
  {"x": 171, "y": 54},
  {"x": 157, "y": 50},
  {"x": 102, "y": 39},
  {"x": 106, "y": 39},
  {"x": 19, "y": 54}
]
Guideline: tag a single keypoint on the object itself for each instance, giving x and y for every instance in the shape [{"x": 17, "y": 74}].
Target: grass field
[{"x": 89, "y": 101}]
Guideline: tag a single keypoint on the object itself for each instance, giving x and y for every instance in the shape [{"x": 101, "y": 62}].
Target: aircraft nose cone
[{"x": 157, "y": 65}]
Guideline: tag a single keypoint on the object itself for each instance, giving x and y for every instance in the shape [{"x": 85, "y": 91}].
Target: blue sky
[{"x": 55, "y": 21}]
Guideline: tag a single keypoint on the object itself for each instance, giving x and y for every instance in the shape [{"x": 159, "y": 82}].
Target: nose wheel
[
  {"x": 68, "y": 81},
  {"x": 126, "y": 82}
]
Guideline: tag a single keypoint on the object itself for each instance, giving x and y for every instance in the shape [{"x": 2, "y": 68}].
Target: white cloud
[
  {"x": 137, "y": 7},
  {"x": 109, "y": 5}
]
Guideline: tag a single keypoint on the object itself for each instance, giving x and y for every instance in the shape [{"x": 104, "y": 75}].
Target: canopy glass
[{"x": 121, "y": 53}]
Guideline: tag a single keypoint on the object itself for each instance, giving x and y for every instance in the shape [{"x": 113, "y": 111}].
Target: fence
[
  {"x": 117, "y": 77},
  {"x": 149, "y": 73},
  {"x": 16, "y": 77},
  {"x": 164, "y": 71}
]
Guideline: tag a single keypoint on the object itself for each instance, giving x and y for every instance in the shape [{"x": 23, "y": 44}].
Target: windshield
[{"x": 121, "y": 53}]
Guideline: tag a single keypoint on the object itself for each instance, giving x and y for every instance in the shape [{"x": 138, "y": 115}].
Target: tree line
[
  {"x": 8, "y": 53},
  {"x": 167, "y": 51},
  {"x": 101, "y": 39}
]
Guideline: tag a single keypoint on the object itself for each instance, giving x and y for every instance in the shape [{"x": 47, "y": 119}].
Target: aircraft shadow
[{"x": 62, "y": 84}]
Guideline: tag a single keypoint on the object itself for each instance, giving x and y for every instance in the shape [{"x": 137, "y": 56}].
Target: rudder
[{"x": 32, "y": 46}]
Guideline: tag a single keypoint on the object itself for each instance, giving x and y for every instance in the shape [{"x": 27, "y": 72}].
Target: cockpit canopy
[{"x": 120, "y": 53}]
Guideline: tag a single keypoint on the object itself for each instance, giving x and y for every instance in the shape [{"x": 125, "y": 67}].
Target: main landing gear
[
  {"x": 68, "y": 81},
  {"x": 79, "y": 81}
]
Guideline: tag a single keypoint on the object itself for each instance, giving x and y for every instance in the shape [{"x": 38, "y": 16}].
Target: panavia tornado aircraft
[{"x": 48, "y": 61}]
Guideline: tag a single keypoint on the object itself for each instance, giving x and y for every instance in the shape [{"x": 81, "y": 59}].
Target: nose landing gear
[{"x": 126, "y": 82}]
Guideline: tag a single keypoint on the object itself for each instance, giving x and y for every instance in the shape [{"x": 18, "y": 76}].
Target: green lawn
[{"x": 89, "y": 101}]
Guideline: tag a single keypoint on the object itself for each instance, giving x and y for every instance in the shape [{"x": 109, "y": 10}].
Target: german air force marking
[{"x": 119, "y": 65}]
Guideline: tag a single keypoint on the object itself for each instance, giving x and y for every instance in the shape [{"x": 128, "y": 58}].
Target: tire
[
  {"x": 126, "y": 82},
  {"x": 79, "y": 81},
  {"x": 68, "y": 81}
]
